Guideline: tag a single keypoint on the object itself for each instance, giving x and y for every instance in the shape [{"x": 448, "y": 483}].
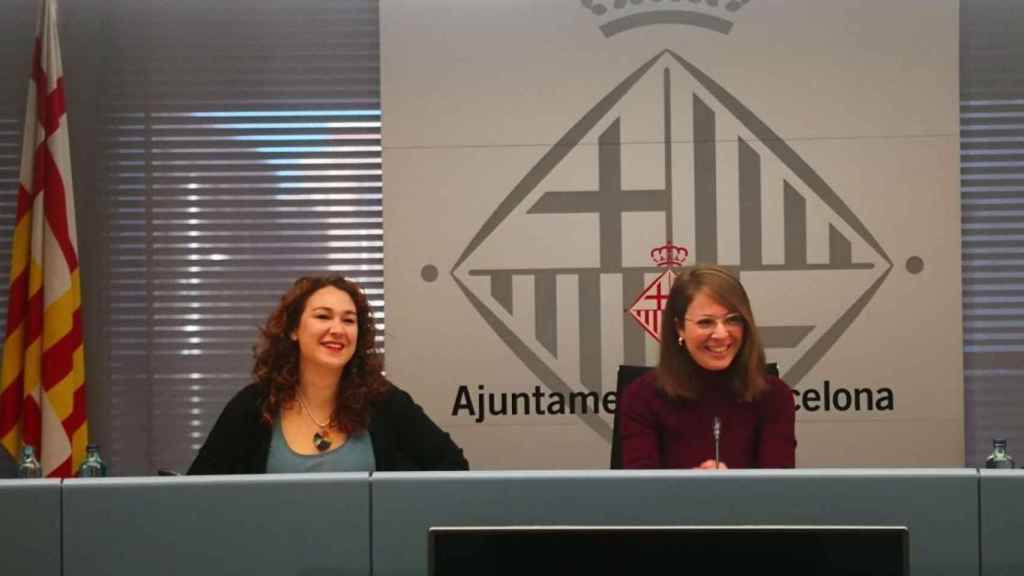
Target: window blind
[
  {"x": 10, "y": 151},
  {"x": 17, "y": 31},
  {"x": 240, "y": 149},
  {"x": 992, "y": 196}
]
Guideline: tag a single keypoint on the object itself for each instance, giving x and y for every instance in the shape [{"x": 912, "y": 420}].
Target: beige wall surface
[{"x": 537, "y": 151}]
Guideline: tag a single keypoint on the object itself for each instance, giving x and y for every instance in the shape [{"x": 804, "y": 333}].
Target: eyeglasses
[{"x": 731, "y": 322}]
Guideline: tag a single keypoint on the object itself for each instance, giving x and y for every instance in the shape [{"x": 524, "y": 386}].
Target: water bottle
[
  {"x": 999, "y": 457},
  {"x": 28, "y": 466},
  {"x": 92, "y": 466}
]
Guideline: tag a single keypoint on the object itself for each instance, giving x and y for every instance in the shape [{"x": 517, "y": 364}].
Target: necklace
[{"x": 321, "y": 438}]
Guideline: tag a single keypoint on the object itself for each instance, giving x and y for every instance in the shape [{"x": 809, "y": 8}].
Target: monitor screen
[{"x": 599, "y": 550}]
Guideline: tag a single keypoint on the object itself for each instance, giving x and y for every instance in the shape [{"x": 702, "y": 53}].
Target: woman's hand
[{"x": 710, "y": 465}]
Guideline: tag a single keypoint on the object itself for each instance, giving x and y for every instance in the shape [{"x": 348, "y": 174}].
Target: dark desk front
[
  {"x": 961, "y": 521},
  {"x": 1002, "y": 522},
  {"x": 940, "y": 507},
  {"x": 281, "y": 525},
  {"x": 30, "y": 527}
]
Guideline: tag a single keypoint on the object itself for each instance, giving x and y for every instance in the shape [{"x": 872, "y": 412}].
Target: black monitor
[{"x": 620, "y": 550}]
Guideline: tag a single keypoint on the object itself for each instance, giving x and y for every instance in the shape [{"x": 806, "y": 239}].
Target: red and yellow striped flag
[{"x": 42, "y": 383}]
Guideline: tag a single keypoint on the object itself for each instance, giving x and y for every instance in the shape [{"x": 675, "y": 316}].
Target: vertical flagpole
[{"x": 42, "y": 383}]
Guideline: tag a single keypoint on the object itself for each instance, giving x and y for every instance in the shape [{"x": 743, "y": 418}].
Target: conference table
[{"x": 960, "y": 521}]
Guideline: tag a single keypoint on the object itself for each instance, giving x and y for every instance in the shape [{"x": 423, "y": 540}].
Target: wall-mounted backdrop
[{"x": 537, "y": 152}]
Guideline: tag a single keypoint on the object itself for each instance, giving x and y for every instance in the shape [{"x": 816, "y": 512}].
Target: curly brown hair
[
  {"x": 277, "y": 356},
  {"x": 676, "y": 367}
]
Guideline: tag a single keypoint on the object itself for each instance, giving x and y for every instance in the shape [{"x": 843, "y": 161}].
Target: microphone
[{"x": 716, "y": 432}]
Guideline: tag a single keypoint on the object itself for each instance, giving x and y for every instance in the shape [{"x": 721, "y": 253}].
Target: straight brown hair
[{"x": 676, "y": 367}]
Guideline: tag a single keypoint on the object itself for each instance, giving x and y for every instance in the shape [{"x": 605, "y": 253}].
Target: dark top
[
  {"x": 8, "y": 468},
  {"x": 404, "y": 437},
  {"x": 659, "y": 432}
]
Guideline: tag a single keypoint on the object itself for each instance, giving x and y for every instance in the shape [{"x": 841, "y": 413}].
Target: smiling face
[
  {"x": 328, "y": 330},
  {"x": 712, "y": 333}
]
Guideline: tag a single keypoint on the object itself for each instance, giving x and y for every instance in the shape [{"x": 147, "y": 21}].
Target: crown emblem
[
  {"x": 648, "y": 308},
  {"x": 669, "y": 255},
  {"x": 623, "y": 15}
]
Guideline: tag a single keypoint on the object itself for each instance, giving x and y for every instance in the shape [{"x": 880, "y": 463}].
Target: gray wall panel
[
  {"x": 1002, "y": 522},
  {"x": 270, "y": 524},
  {"x": 30, "y": 527},
  {"x": 939, "y": 506}
]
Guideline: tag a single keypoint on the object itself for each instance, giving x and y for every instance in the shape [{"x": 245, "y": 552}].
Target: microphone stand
[{"x": 716, "y": 432}]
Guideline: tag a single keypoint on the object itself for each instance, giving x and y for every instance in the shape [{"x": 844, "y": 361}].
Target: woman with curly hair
[
  {"x": 711, "y": 403},
  {"x": 319, "y": 402}
]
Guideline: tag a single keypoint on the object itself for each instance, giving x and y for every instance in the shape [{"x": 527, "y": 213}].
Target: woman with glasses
[
  {"x": 709, "y": 404},
  {"x": 319, "y": 402}
]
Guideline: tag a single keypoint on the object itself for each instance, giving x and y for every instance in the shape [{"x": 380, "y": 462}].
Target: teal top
[{"x": 355, "y": 455}]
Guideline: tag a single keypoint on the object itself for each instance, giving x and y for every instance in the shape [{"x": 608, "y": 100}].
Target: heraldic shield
[{"x": 561, "y": 269}]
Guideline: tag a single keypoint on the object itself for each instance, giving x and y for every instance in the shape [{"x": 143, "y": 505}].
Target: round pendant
[{"x": 321, "y": 442}]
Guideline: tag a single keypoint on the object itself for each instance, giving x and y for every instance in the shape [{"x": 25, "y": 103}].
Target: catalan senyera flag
[{"x": 42, "y": 383}]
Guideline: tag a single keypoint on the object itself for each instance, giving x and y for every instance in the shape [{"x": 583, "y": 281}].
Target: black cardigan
[{"x": 404, "y": 437}]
